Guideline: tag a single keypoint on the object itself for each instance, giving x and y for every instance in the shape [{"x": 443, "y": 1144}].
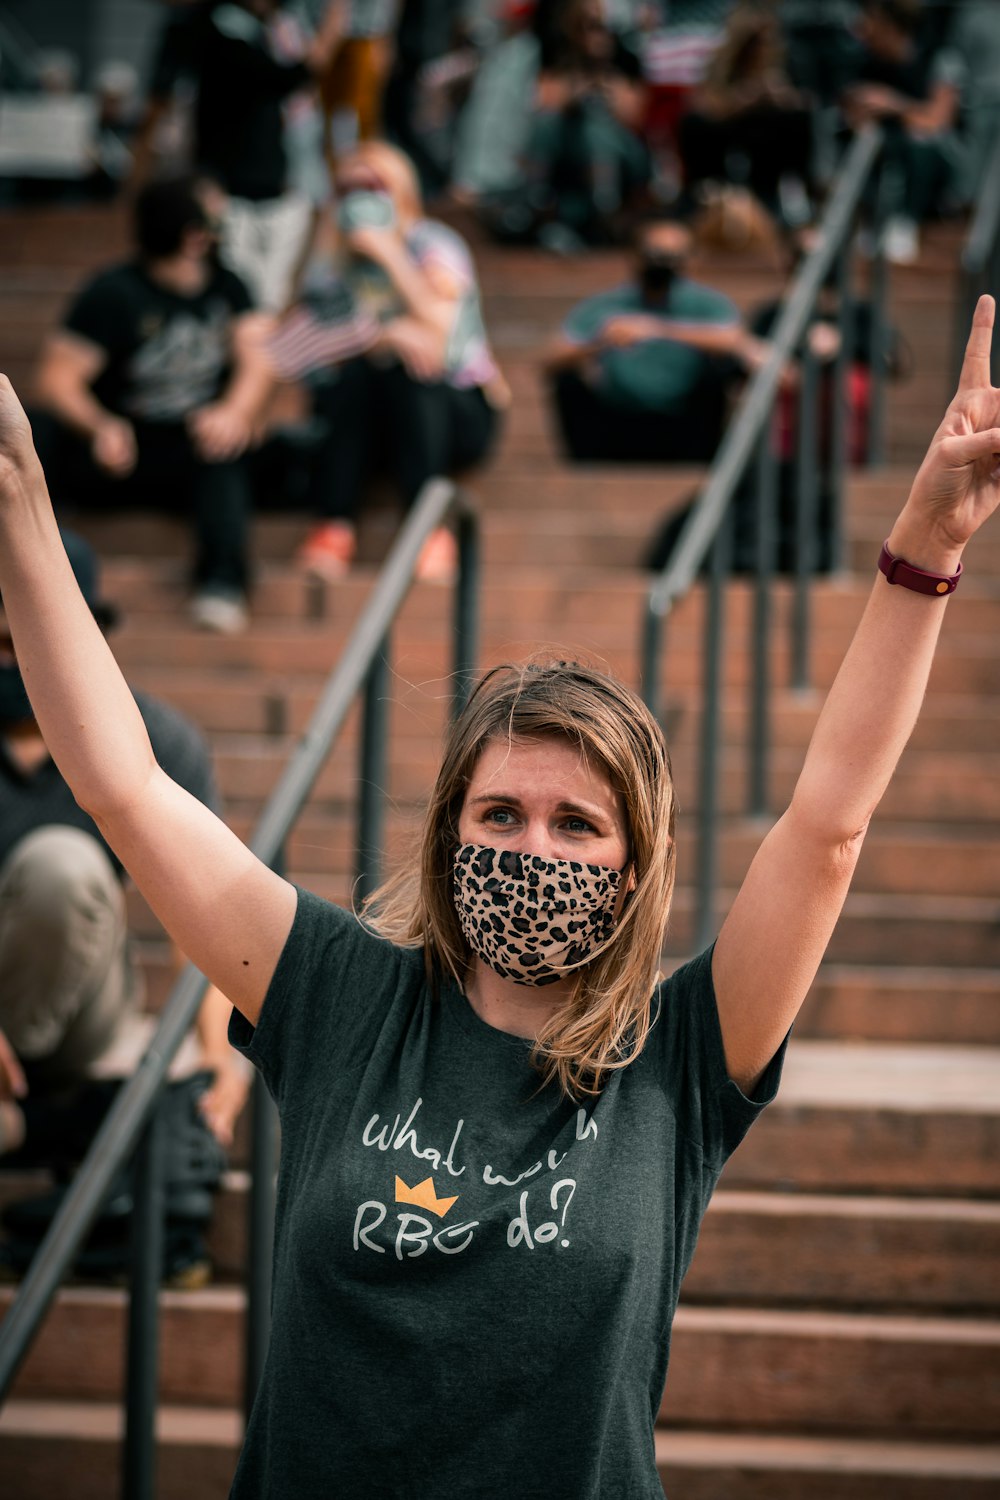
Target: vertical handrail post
[
  {"x": 465, "y": 618},
  {"x": 142, "y": 1367},
  {"x": 765, "y": 494},
  {"x": 652, "y": 655},
  {"x": 878, "y": 325},
  {"x": 836, "y": 459},
  {"x": 372, "y": 778},
  {"x": 708, "y": 816},
  {"x": 807, "y": 541}
]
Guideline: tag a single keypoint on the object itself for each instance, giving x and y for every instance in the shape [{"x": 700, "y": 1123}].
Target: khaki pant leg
[{"x": 66, "y": 981}]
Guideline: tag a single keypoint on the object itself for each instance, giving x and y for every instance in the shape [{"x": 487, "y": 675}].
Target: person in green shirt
[{"x": 640, "y": 373}]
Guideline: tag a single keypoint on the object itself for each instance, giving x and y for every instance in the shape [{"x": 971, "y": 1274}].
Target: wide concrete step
[
  {"x": 902, "y": 1003},
  {"x": 866, "y": 1117},
  {"x": 707, "y": 1465},
  {"x": 45, "y": 1446},
  {"x": 791, "y": 1250},
  {"x": 834, "y": 1373},
  {"x": 52, "y": 1449},
  {"x": 794, "y": 1250},
  {"x": 799, "y": 1371},
  {"x": 839, "y": 1251}
]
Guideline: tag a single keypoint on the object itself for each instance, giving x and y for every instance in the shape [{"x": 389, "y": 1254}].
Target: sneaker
[
  {"x": 438, "y": 560},
  {"x": 795, "y": 207},
  {"x": 901, "y": 241},
  {"x": 328, "y": 550},
  {"x": 221, "y": 610}
]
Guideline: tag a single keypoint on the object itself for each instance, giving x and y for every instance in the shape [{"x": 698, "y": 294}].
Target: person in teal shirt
[{"x": 641, "y": 372}]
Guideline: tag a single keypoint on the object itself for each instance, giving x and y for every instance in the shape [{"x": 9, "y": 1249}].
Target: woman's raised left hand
[{"x": 957, "y": 486}]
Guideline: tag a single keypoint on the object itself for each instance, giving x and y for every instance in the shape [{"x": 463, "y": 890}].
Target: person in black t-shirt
[
  {"x": 154, "y": 385},
  {"x": 242, "y": 86}
]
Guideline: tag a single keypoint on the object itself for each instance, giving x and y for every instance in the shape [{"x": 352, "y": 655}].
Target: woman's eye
[
  {"x": 579, "y": 825},
  {"x": 499, "y": 815}
]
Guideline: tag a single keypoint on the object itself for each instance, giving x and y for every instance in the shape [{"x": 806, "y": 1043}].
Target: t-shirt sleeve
[
  {"x": 710, "y": 1109},
  {"x": 434, "y": 245},
  {"x": 101, "y": 314},
  {"x": 585, "y": 320},
  {"x": 324, "y": 1006},
  {"x": 703, "y": 304}
]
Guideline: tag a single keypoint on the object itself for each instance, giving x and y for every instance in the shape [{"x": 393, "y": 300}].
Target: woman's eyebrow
[{"x": 509, "y": 799}]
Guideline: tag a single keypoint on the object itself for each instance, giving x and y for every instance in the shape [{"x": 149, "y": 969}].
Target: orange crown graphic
[{"x": 424, "y": 1196}]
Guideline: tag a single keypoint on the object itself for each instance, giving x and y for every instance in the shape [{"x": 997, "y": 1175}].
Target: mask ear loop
[{"x": 625, "y": 890}]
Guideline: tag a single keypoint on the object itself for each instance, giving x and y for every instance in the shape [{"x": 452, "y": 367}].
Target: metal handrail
[
  {"x": 979, "y": 265},
  {"x": 706, "y": 534},
  {"x": 132, "y": 1120}
]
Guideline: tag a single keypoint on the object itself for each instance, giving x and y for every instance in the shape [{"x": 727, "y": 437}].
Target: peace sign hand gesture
[{"x": 957, "y": 486}]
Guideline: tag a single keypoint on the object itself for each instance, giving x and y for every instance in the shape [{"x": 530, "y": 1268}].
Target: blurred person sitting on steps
[
  {"x": 912, "y": 89},
  {"x": 640, "y": 373},
  {"x": 747, "y": 123},
  {"x": 154, "y": 387},
  {"x": 390, "y": 337},
  {"x": 586, "y": 164},
  {"x": 70, "y": 992}
]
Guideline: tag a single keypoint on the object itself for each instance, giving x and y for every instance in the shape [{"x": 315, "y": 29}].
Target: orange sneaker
[
  {"x": 438, "y": 560},
  {"x": 328, "y": 550}
]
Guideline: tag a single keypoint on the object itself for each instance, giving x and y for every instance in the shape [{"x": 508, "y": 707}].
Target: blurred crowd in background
[
  {"x": 553, "y": 119},
  {"x": 309, "y": 181}
]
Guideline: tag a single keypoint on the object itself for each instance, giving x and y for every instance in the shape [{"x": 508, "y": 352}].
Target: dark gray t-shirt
[{"x": 473, "y": 1287}]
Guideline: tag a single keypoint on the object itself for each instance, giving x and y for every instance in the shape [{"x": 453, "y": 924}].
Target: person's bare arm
[
  {"x": 221, "y": 905},
  {"x": 627, "y": 100},
  {"x": 222, "y": 1104},
  {"x": 711, "y": 338},
  {"x": 226, "y": 427},
  {"x": 68, "y": 366},
  {"x": 935, "y": 114},
  {"x": 562, "y": 353},
  {"x": 429, "y": 293},
  {"x": 774, "y": 938}
]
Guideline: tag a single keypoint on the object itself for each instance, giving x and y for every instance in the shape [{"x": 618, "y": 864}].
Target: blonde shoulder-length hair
[{"x": 603, "y": 1024}]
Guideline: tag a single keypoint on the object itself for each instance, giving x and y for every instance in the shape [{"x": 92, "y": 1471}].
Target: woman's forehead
[{"x": 551, "y": 760}]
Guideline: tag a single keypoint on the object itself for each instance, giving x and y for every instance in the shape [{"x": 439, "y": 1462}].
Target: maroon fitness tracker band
[{"x": 918, "y": 579}]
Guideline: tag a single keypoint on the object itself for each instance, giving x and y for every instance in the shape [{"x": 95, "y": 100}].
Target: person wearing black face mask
[
  {"x": 70, "y": 997},
  {"x": 640, "y": 373}
]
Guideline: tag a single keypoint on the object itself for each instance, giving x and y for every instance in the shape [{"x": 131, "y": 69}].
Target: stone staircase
[{"x": 839, "y": 1334}]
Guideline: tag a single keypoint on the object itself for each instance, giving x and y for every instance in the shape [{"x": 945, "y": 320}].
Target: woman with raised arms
[{"x": 500, "y": 1126}]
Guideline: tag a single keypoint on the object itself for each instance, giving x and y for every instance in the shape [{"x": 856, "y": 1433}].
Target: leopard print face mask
[{"x": 527, "y": 917}]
